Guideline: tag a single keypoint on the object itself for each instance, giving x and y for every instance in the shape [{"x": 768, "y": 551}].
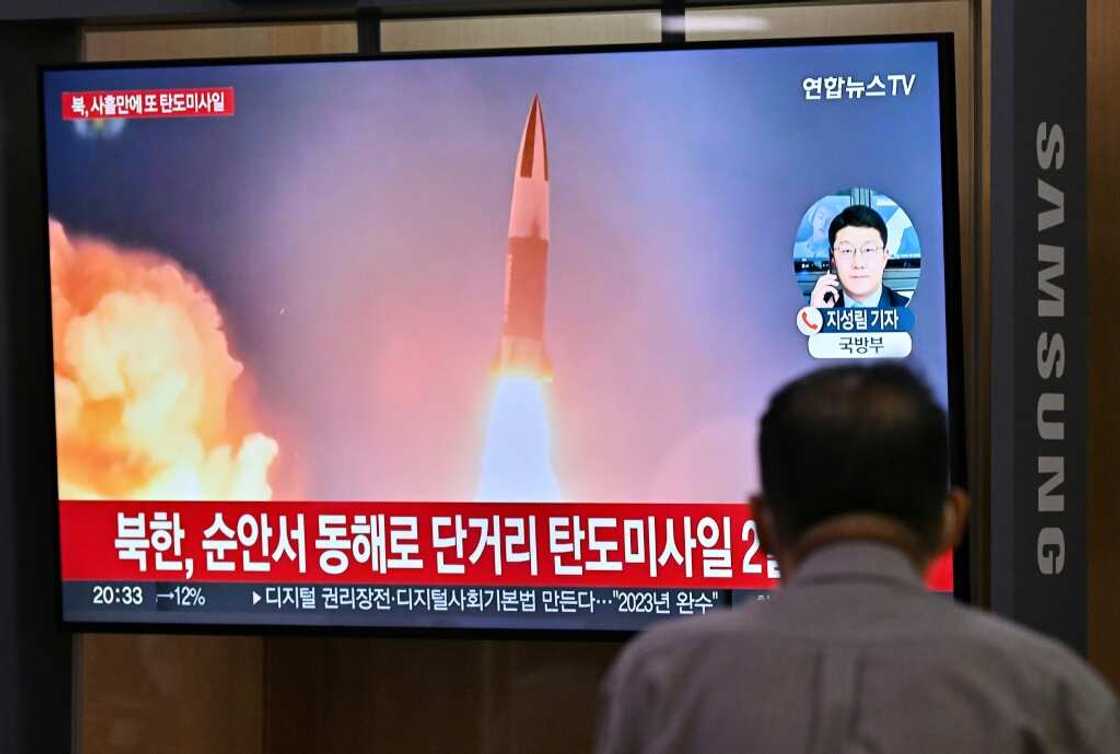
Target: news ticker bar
[
  {"x": 574, "y": 545},
  {"x": 384, "y": 606},
  {"x": 686, "y": 546}
]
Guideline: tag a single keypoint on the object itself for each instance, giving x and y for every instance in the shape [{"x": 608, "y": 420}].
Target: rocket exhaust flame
[
  {"x": 144, "y": 382},
  {"x": 517, "y": 459}
]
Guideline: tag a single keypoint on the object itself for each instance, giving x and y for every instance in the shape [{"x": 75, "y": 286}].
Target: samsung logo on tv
[{"x": 1051, "y": 353}]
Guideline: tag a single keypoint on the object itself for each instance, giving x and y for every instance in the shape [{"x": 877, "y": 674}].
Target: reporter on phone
[{"x": 858, "y": 257}]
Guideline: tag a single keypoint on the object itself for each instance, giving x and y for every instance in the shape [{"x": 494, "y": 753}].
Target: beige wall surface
[
  {"x": 104, "y": 44},
  {"x": 536, "y": 30}
]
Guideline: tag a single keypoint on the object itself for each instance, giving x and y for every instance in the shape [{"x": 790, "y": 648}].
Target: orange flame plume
[{"x": 144, "y": 382}]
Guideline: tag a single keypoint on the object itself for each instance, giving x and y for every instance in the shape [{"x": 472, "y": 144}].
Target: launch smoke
[{"x": 144, "y": 381}]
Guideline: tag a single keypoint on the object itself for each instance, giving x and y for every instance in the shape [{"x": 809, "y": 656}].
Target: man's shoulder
[
  {"x": 987, "y": 628},
  {"x": 675, "y": 640},
  {"x": 701, "y": 629},
  {"x": 894, "y": 298},
  {"x": 970, "y": 638},
  {"x": 1041, "y": 655},
  {"x": 1043, "y": 673},
  {"x": 972, "y": 665}
]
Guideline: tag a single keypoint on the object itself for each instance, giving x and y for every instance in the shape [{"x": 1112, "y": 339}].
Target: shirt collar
[
  {"x": 867, "y": 302},
  {"x": 857, "y": 560}
]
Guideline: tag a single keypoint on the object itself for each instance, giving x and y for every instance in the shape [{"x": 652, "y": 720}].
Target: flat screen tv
[{"x": 472, "y": 340}]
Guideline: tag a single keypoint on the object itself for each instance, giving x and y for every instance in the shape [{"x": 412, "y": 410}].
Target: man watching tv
[
  {"x": 858, "y": 256},
  {"x": 853, "y": 654}
]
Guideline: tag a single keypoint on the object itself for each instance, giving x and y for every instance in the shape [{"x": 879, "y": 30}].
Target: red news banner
[
  {"x": 640, "y": 545},
  {"x": 214, "y": 101}
]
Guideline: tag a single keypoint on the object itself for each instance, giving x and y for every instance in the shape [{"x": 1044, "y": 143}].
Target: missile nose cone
[
  {"x": 528, "y": 217},
  {"x": 533, "y": 157}
]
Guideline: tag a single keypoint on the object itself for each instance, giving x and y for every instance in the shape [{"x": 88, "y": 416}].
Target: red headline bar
[
  {"x": 693, "y": 545},
  {"x": 204, "y": 102}
]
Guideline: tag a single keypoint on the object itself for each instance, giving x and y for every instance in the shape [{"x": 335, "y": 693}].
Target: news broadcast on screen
[{"x": 470, "y": 341}]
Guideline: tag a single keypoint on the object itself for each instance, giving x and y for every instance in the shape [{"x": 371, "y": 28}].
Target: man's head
[
  {"x": 857, "y": 444},
  {"x": 857, "y": 238}
]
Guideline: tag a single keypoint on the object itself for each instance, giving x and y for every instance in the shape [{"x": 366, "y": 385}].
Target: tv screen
[{"x": 475, "y": 340}]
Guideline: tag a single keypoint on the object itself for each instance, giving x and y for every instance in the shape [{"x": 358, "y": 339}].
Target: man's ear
[
  {"x": 954, "y": 518},
  {"x": 767, "y": 529}
]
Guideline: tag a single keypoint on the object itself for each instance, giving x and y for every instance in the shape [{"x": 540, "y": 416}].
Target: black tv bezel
[{"x": 953, "y": 315}]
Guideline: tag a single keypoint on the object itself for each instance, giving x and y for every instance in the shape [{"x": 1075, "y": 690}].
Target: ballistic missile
[{"x": 521, "y": 349}]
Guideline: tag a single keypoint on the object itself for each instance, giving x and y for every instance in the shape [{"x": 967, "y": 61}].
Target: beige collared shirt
[{"x": 851, "y": 656}]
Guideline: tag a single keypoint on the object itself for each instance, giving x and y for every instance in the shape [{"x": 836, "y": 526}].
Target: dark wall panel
[
  {"x": 144, "y": 693},
  {"x": 1039, "y": 413},
  {"x": 431, "y": 696},
  {"x": 34, "y": 653}
]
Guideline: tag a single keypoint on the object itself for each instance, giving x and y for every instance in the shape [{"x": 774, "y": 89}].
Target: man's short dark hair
[
  {"x": 859, "y": 216},
  {"x": 855, "y": 440}
]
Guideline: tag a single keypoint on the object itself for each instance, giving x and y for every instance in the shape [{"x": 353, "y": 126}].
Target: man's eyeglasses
[{"x": 848, "y": 252}]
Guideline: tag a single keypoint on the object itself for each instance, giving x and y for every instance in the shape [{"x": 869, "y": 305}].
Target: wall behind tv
[{"x": 1103, "y": 122}]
